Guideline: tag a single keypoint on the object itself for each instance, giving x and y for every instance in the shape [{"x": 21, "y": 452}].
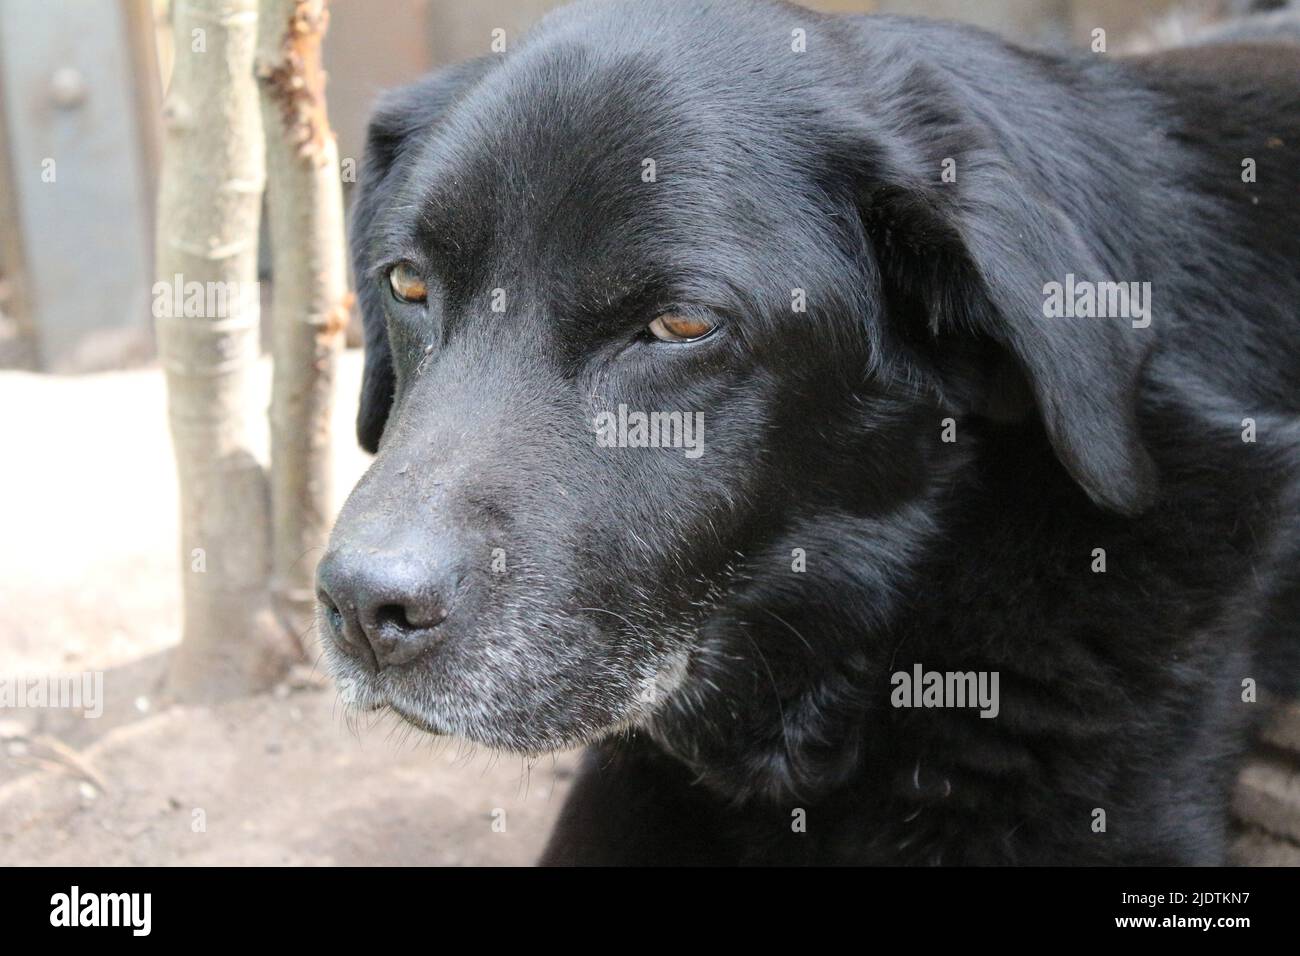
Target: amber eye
[
  {"x": 406, "y": 283},
  {"x": 680, "y": 328}
]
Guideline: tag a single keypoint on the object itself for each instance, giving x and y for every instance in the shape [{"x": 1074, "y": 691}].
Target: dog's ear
[
  {"x": 397, "y": 118},
  {"x": 975, "y": 262}
]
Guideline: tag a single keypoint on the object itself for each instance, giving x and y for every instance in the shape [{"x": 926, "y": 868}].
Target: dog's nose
[{"x": 384, "y": 603}]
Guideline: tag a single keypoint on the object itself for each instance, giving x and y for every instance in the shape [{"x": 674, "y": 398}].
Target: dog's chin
[
  {"x": 519, "y": 740},
  {"x": 501, "y": 736},
  {"x": 512, "y": 725},
  {"x": 419, "y": 721}
]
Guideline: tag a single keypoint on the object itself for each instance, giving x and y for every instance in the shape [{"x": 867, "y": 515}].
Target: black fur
[{"x": 649, "y": 604}]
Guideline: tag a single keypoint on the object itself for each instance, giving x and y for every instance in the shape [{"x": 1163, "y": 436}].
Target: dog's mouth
[
  {"x": 522, "y": 707},
  {"x": 377, "y": 702},
  {"x": 544, "y": 691},
  {"x": 375, "y": 697},
  {"x": 416, "y": 720}
]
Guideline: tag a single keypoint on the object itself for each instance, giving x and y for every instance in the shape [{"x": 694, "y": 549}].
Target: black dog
[{"x": 866, "y": 273}]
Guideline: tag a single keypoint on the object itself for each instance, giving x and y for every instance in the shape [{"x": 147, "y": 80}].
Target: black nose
[{"x": 383, "y": 603}]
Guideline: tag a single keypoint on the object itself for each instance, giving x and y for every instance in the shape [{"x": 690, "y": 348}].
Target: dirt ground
[{"x": 88, "y": 582}]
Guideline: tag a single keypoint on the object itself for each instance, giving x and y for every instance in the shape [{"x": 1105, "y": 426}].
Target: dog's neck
[{"x": 815, "y": 648}]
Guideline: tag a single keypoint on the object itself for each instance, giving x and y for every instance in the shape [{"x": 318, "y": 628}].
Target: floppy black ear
[
  {"x": 973, "y": 258},
  {"x": 398, "y": 117}
]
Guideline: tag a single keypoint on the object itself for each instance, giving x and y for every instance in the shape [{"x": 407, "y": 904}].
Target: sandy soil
[{"x": 88, "y": 582}]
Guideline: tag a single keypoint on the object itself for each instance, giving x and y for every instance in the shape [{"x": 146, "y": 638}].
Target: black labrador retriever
[{"x": 879, "y": 443}]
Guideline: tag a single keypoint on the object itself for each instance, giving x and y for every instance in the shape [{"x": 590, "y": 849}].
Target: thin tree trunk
[
  {"x": 209, "y": 208},
  {"x": 309, "y": 289}
]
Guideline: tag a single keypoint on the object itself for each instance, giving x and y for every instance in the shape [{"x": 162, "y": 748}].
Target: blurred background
[{"x": 89, "y": 567}]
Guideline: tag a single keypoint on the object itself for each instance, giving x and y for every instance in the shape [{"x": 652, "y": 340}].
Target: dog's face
[{"x": 630, "y": 324}]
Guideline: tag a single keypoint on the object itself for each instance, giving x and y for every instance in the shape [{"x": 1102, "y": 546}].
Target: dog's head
[{"x": 645, "y": 296}]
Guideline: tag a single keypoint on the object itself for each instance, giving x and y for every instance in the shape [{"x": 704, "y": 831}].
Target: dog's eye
[
  {"x": 679, "y": 328},
  {"x": 406, "y": 283}
]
